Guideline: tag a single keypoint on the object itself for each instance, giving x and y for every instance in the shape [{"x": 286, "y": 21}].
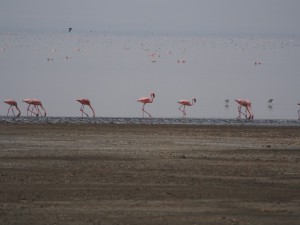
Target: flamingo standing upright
[
  {"x": 184, "y": 103},
  {"x": 36, "y": 103},
  {"x": 247, "y": 105},
  {"x": 85, "y": 101},
  {"x": 146, "y": 100},
  {"x": 12, "y": 103}
]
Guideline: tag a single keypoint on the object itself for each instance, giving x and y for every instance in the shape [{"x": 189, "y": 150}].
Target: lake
[{"x": 113, "y": 71}]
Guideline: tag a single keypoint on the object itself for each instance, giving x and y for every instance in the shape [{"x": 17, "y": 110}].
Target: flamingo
[
  {"x": 36, "y": 104},
  {"x": 184, "y": 103},
  {"x": 85, "y": 101},
  {"x": 12, "y": 103},
  {"x": 146, "y": 100},
  {"x": 247, "y": 105}
]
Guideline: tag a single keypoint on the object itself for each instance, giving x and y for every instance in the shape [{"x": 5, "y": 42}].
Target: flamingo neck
[{"x": 92, "y": 110}]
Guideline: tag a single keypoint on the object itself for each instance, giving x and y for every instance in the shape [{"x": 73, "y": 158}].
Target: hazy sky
[{"x": 196, "y": 16}]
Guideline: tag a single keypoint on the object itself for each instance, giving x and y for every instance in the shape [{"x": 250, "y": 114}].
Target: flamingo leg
[
  {"x": 8, "y": 110},
  {"x": 28, "y": 109},
  {"x": 82, "y": 111},
  {"x": 250, "y": 112},
  {"x": 251, "y": 115},
  {"x": 18, "y": 110},
  {"x": 240, "y": 112},
  {"x": 183, "y": 111},
  {"x": 12, "y": 109},
  {"x": 31, "y": 110},
  {"x": 144, "y": 111},
  {"x": 92, "y": 110},
  {"x": 38, "y": 110}
]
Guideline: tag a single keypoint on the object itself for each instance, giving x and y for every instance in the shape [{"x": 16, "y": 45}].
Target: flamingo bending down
[
  {"x": 12, "y": 103},
  {"x": 85, "y": 101},
  {"x": 36, "y": 103},
  {"x": 146, "y": 100},
  {"x": 247, "y": 105},
  {"x": 184, "y": 103}
]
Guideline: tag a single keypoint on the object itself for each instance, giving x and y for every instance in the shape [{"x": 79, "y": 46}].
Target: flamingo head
[
  {"x": 152, "y": 95},
  {"x": 194, "y": 100}
]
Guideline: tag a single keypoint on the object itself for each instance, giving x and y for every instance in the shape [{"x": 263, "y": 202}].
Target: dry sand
[{"x": 149, "y": 174}]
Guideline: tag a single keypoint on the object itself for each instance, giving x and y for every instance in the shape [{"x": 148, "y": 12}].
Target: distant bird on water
[
  {"x": 247, "y": 105},
  {"x": 70, "y": 29},
  {"x": 299, "y": 112},
  {"x": 85, "y": 101},
  {"x": 146, "y": 100},
  {"x": 270, "y": 103},
  {"x": 184, "y": 103},
  {"x": 12, "y": 103}
]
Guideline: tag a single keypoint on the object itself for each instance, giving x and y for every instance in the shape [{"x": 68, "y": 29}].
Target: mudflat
[{"x": 149, "y": 174}]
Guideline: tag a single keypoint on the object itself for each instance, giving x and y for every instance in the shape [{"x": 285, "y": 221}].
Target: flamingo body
[
  {"x": 247, "y": 104},
  {"x": 183, "y": 103},
  {"x": 146, "y": 100},
  {"x": 12, "y": 103},
  {"x": 85, "y": 101}
]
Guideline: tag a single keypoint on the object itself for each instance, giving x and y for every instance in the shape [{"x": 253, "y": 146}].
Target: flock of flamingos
[{"x": 35, "y": 106}]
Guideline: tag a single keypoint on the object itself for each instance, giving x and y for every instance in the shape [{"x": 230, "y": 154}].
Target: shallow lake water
[{"x": 113, "y": 71}]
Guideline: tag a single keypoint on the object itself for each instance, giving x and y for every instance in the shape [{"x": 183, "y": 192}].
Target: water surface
[{"x": 113, "y": 71}]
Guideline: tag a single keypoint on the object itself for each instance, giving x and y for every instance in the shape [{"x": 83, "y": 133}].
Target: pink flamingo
[
  {"x": 85, "y": 101},
  {"x": 146, "y": 100},
  {"x": 184, "y": 103},
  {"x": 247, "y": 105},
  {"x": 12, "y": 103},
  {"x": 36, "y": 103}
]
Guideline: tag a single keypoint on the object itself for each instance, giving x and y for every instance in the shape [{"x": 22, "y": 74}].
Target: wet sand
[{"x": 149, "y": 174}]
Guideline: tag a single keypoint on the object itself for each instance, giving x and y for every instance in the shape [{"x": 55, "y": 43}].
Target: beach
[{"x": 149, "y": 174}]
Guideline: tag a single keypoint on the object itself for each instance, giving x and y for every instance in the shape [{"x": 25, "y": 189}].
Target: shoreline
[{"x": 157, "y": 121}]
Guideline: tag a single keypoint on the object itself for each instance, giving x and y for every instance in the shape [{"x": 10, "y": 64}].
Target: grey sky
[{"x": 196, "y": 16}]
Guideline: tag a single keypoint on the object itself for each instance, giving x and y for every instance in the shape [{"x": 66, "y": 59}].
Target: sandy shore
[{"x": 149, "y": 174}]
